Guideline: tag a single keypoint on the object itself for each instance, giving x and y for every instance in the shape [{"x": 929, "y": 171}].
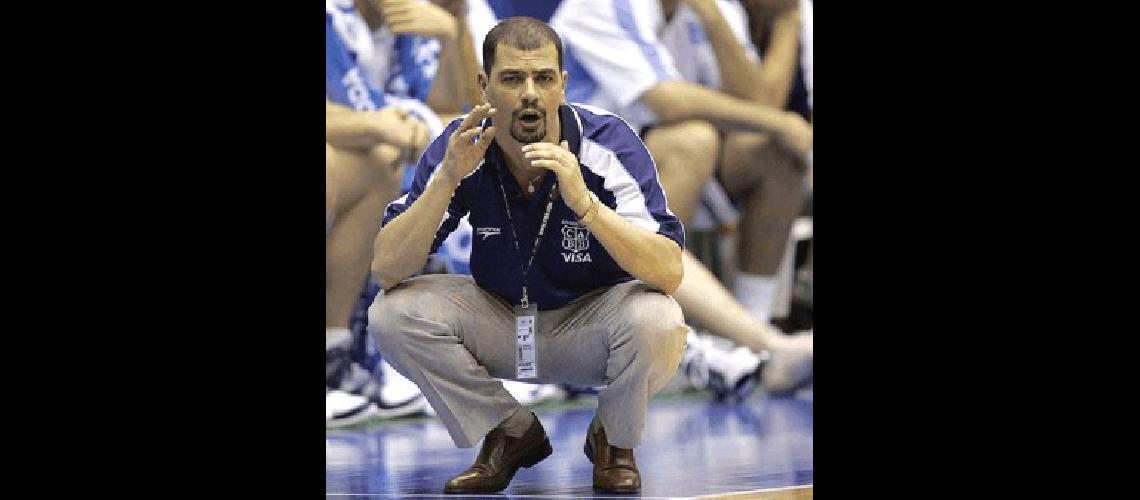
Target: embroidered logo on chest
[
  {"x": 487, "y": 232},
  {"x": 576, "y": 239}
]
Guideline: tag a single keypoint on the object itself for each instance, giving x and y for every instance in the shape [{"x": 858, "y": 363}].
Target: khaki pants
[{"x": 453, "y": 339}]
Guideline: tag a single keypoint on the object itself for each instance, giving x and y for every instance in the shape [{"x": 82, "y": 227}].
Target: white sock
[
  {"x": 755, "y": 293},
  {"x": 337, "y": 337}
]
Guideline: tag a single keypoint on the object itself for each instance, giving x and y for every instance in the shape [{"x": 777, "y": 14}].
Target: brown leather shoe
[
  {"x": 499, "y": 458},
  {"x": 615, "y": 470}
]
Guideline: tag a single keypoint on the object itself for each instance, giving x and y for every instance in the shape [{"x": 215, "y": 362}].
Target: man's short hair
[{"x": 520, "y": 32}]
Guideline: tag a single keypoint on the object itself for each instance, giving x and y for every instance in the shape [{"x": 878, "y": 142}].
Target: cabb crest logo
[{"x": 576, "y": 239}]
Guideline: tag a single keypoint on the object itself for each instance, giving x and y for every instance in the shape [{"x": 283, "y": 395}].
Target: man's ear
[
  {"x": 565, "y": 79},
  {"x": 483, "y": 85}
]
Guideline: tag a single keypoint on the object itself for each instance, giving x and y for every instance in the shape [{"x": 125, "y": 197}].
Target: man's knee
[
  {"x": 655, "y": 326},
  {"x": 387, "y": 163},
  {"x": 688, "y": 148},
  {"x": 699, "y": 139},
  {"x": 416, "y": 302},
  {"x": 387, "y": 315},
  {"x": 751, "y": 158},
  {"x": 779, "y": 167}
]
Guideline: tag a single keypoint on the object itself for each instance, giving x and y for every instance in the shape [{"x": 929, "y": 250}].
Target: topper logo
[{"x": 487, "y": 232}]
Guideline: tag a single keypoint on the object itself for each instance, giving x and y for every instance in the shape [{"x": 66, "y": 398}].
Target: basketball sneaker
[
  {"x": 534, "y": 394},
  {"x": 729, "y": 371},
  {"x": 398, "y": 396},
  {"x": 344, "y": 409}
]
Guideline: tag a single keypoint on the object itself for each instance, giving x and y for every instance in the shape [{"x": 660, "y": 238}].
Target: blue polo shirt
[{"x": 570, "y": 262}]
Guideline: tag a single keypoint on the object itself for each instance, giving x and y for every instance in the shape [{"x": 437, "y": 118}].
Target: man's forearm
[
  {"x": 779, "y": 68},
  {"x": 444, "y": 96},
  {"x": 675, "y": 101},
  {"x": 456, "y": 83},
  {"x": 649, "y": 257},
  {"x": 469, "y": 78},
  {"x": 403, "y": 244},
  {"x": 740, "y": 75},
  {"x": 351, "y": 130}
]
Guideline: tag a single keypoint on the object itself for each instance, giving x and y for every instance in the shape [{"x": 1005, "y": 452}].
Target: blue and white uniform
[
  {"x": 369, "y": 70},
  {"x": 614, "y": 54},
  {"x": 357, "y": 58},
  {"x": 570, "y": 261},
  {"x": 685, "y": 38}
]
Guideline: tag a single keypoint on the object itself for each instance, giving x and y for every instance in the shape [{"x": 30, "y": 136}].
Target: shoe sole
[
  {"x": 415, "y": 406},
  {"x": 617, "y": 490},
  {"x": 533, "y": 457},
  {"x": 351, "y": 419}
]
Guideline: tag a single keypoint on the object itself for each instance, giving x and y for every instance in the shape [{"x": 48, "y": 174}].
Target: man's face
[{"x": 526, "y": 87}]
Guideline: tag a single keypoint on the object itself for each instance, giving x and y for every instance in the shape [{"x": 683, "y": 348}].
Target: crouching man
[{"x": 575, "y": 253}]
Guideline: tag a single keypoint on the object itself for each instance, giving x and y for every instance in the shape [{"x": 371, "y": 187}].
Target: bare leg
[
  {"x": 707, "y": 302},
  {"x": 772, "y": 182},
  {"x": 768, "y": 181},
  {"x": 685, "y": 154},
  {"x": 350, "y": 174},
  {"x": 362, "y": 183}
]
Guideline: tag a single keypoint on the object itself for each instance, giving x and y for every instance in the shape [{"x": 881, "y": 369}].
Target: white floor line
[
  {"x": 764, "y": 490},
  {"x": 711, "y": 495},
  {"x": 504, "y": 495}
]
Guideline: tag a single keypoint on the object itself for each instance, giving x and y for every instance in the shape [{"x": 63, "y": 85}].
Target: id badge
[{"x": 526, "y": 364}]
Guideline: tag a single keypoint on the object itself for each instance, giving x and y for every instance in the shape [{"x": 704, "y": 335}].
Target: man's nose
[{"x": 530, "y": 90}]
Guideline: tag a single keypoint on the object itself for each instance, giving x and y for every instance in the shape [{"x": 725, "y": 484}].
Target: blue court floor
[{"x": 692, "y": 446}]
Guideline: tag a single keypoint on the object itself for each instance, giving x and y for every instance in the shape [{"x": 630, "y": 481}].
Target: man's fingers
[
  {"x": 397, "y": 14},
  {"x": 419, "y": 135},
  {"x": 402, "y": 18},
  {"x": 390, "y": 6},
  {"x": 565, "y": 145},
  {"x": 412, "y": 131},
  {"x": 475, "y": 116},
  {"x": 467, "y": 136},
  {"x": 485, "y": 140},
  {"x": 547, "y": 164},
  {"x": 542, "y": 150},
  {"x": 536, "y": 154},
  {"x": 479, "y": 113},
  {"x": 469, "y": 120},
  {"x": 401, "y": 29},
  {"x": 488, "y": 111},
  {"x": 541, "y": 145}
]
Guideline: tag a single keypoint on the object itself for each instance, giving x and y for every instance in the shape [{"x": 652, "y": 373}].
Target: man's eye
[
  {"x": 544, "y": 78},
  {"x": 510, "y": 78}
]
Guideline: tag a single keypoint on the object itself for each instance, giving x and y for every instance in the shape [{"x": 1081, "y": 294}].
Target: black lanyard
[{"x": 537, "y": 240}]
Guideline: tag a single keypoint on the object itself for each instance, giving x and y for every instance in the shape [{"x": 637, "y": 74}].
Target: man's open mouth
[{"x": 530, "y": 117}]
